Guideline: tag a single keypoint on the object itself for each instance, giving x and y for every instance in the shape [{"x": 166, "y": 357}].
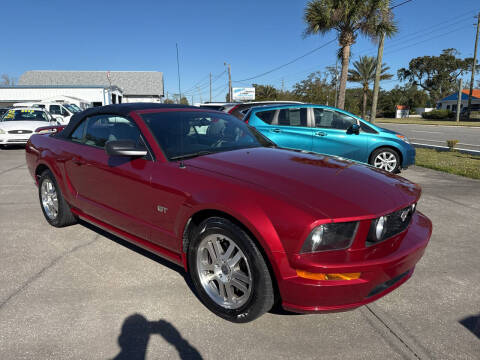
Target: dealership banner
[{"x": 243, "y": 94}]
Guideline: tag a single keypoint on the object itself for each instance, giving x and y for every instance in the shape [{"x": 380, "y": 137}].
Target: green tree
[
  {"x": 314, "y": 89},
  {"x": 168, "y": 101},
  {"x": 265, "y": 92},
  {"x": 184, "y": 100},
  {"x": 348, "y": 18},
  {"x": 436, "y": 74},
  {"x": 363, "y": 72}
]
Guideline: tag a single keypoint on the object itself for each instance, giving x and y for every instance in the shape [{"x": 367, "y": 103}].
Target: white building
[
  {"x": 95, "y": 95},
  {"x": 450, "y": 102},
  {"x": 136, "y": 86}
]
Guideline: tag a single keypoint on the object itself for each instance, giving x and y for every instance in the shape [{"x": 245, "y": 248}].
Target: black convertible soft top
[{"x": 117, "y": 109}]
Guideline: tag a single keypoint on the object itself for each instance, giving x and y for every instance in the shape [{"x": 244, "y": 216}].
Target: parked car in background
[
  {"x": 332, "y": 131},
  {"x": 3, "y": 111},
  {"x": 251, "y": 223},
  {"x": 240, "y": 109},
  {"x": 60, "y": 111},
  {"x": 212, "y": 105},
  {"x": 18, "y": 124}
]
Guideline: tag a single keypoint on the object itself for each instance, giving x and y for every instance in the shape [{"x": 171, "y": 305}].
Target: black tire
[
  {"x": 64, "y": 215},
  {"x": 261, "y": 297},
  {"x": 390, "y": 153}
]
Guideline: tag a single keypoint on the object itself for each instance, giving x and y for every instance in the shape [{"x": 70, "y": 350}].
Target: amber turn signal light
[{"x": 322, "y": 276}]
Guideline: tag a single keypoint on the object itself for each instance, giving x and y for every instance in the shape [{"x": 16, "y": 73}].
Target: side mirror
[
  {"x": 124, "y": 148},
  {"x": 354, "y": 129}
]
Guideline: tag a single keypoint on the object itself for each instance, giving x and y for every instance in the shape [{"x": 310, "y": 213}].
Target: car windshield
[
  {"x": 186, "y": 134},
  {"x": 25, "y": 115},
  {"x": 73, "y": 108}
]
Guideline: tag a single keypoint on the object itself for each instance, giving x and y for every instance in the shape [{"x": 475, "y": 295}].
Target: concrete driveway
[
  {"x": 79, "y": 293},
  {"x": 437, "y": 135}
]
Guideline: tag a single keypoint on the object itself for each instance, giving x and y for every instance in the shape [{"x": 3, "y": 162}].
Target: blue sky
[{"x": 253, "y": 36}]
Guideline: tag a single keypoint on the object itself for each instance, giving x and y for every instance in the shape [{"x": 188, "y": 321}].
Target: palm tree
[
  {"x": 363, "y": 72},
  {"x": 347, "y": 18}
]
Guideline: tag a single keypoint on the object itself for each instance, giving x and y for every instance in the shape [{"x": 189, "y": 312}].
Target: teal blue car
[{"x": 332, "y": 131}]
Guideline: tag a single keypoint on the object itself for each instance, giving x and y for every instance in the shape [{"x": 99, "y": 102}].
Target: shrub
[
  {"x": 452, "y": 143},
  {"x": 438, "y": 114}
]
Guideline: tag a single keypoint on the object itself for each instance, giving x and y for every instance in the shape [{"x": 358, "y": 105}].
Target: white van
[{"x": 61, "y": 112}]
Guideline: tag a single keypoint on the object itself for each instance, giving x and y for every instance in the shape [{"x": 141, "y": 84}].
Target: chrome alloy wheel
[
  {"x": 386, "y": 161},
  {"x": 224, "y": 271},
  {"x": 49, "y": 198}
]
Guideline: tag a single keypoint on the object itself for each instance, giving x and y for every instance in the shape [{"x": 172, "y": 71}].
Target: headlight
[
  {"x": 332, "y": 236},
  {"x": 403, "y": 137},
  {"x": 389, "y": 225},
  {"x": 2, "y": 131}
]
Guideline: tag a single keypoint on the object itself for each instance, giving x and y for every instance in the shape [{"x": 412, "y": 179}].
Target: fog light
[{"x": 333, "y": 276}]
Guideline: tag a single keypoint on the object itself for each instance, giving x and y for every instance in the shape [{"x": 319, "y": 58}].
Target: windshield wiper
[{"x": 192, "y": 155}]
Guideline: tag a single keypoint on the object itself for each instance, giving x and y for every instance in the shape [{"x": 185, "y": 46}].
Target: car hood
[
  {"x": 389, "y": 131},
  {"x": 332, "y": 186},
  {"x": 22, "y": 125}
]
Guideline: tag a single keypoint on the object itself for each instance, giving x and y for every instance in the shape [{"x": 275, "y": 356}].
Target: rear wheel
[
  {"x": 54, "y": 207},
  {"x": 386, "y": 159},
  {"x": 229, "y": 272}
]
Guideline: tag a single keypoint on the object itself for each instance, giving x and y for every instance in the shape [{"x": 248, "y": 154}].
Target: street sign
[{"x": 243, "y": 94}]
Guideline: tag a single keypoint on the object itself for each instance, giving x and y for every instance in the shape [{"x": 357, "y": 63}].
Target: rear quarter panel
[{"x": 48, "y": 151}]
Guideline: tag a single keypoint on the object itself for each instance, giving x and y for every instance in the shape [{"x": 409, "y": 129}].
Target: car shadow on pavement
[
  {"x": 136, "y": 332},
  {"x": 276, "y": 310},
  {"x": 472, "y": 323},
  {"x": 143, "y": 252}
]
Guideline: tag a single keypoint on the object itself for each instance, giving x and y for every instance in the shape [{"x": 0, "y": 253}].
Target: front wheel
[
  {"x": 229, "y": 272},
  {"x": 386, "y": 159}
]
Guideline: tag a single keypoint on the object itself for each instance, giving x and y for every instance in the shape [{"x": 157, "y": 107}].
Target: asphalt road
[
  {"x": 469, "y": 137},
  {"x": 79, "y": 293}
]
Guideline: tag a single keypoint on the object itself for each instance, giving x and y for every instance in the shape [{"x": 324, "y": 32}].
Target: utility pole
[
  {"x": 210, "y": 87},
  {"x": 283, "y": 85},
  {"x": 378, "y": 70},
  {"x": 459, "y": 100},
  {"x": 229, "y": 82},
  {"x": 473, "y": 67},
  {"x": 192, "y": 101}
]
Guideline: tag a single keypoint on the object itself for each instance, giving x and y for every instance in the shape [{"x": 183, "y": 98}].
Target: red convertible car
[{"x": 252, "y": 224}]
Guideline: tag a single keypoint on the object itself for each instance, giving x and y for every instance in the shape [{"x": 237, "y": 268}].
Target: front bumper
[
  {"x": 408, "y": 157},
  {"x": 14, "y": 139},
  {"x": 379, "y": 274}
]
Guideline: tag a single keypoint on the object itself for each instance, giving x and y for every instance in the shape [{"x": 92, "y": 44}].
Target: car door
[
  {"x": 115, "y": 190},
  {"x": 289, "y": 129},
  {"x": 331, "y": 135}
]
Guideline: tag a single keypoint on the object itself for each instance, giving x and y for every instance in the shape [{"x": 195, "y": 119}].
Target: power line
[
  {"x": 288, "y": 63},
  {"x": 402, "y": 3}
]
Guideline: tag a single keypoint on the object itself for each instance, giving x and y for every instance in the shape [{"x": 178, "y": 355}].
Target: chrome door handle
[
  {"x": 320, "y": 133},
  {"x": 276, "y": 130}
]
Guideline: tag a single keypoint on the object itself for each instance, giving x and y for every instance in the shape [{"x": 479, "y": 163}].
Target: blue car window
[
  {"x": 325, "y": 118},
  {"x": 292, "y": 117},
  {"x": 266, "y": 116}
]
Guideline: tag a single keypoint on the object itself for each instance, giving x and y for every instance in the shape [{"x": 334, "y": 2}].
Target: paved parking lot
[{"x": 79, "y": 293}]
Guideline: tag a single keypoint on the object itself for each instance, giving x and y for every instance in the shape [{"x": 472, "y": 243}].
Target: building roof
[
  {"x": 138, "y": 83},
  {"x": 465, "y": 92}
]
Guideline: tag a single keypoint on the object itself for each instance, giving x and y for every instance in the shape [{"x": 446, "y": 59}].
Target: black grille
[
  {"x": 395, "y": 223},
  {"x": 17, "y": 140},
  {"x": 20, "y": 132}
]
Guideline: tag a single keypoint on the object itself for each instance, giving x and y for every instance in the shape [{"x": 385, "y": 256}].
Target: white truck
[{"x": 62, "y": 112}]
